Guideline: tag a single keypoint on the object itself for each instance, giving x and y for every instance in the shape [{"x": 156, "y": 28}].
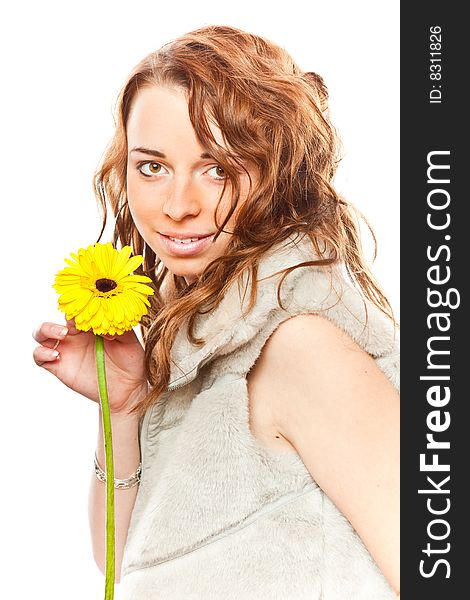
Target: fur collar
[{"x": 315, "y": 288}]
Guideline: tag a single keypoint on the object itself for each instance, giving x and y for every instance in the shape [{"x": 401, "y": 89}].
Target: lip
[
  {"x": 189, "y": 249},
  {"x": 186, "y": 234}
]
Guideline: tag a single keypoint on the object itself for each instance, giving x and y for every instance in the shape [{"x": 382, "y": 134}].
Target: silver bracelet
[{"x": 119, "y": 484}]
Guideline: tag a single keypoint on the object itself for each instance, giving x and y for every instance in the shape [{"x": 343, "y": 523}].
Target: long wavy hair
[{"x": 271, "y": 113}]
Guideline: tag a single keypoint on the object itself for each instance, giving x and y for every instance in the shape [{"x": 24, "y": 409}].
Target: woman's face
[{"x": 173, "y": 185}]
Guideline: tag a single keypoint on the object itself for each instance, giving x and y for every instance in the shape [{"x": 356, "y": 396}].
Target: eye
[
  {"x": 153, "y": 168},
  {"x": 217, "y": 176}
]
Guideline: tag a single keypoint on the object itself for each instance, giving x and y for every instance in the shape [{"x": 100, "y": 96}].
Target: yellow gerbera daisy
[{"x": 98, "y": 290}]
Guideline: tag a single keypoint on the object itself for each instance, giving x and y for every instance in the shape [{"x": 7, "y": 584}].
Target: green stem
[{"x": 108, "y": 448}]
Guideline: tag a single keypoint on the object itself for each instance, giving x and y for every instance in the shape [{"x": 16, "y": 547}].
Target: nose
[{"x": 182, "y": 198}]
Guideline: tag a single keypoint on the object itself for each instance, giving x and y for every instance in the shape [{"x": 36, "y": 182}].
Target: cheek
[
  {"x": 225, "y": 204},
  {"x": 136, "y": 198},
  {"x": 244, "y": 193},
  {"x": 218, "y": 249}
]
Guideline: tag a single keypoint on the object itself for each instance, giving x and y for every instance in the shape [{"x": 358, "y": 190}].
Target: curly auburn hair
[{"x": 271, "y": 113}]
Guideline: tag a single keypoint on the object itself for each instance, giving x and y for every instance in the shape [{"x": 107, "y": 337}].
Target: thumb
[
  {"x": 128, "y": 337},
  {"x": 71, "y": 327}
]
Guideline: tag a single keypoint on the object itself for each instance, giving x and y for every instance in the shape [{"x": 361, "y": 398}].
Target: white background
[{"x": 62, "y": 67}]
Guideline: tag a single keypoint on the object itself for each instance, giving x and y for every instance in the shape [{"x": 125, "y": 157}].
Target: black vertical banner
[{"x": 435, "y": 229}]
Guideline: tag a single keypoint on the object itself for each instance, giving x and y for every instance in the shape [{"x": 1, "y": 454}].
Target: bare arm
[
  {"x": 126, "y": 383},
  {"x": 126, "y": 457}
]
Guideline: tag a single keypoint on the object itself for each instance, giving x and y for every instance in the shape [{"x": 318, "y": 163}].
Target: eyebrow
[{"x": 152, "y": 152}]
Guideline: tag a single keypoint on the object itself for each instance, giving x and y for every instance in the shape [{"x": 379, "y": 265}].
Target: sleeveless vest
[{"x": 218, "y": 516}]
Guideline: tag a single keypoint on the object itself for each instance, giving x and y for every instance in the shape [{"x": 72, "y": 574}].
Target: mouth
[
  {"x": 186, "y": 246},
  {"x": 189, "y": 239}
]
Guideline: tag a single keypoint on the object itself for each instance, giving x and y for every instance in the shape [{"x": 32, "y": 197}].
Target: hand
[{"x": 76, "y": 363}]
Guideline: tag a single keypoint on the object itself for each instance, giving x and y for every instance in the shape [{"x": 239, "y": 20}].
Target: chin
[{"x": 178, "y": 269}]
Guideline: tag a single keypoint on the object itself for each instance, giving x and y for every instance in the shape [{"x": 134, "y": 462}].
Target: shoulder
[
  {"x": 304, "y": 329},
  {"x": 306, "y": 347},
  {"x": 311, "y": 368},
  {"x": 309, "y": 353}
]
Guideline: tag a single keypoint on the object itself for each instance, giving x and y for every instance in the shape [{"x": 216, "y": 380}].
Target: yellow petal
[
  {"x": 69, "y": 295},
  {"x": 118, "y": 309},
  {"x": 142, "y": 288},
  {"x": 99, "y": 259},
  {"x": 91, "y": 308},
  {"x": 127, "y": 306},
  {"x": 107, "y": 257},
  {"x": 86, "y": 265},
  {"x": 133, "y": 278},
  {"x": 117, "y": 312},
  {"x": 130, "y": 266},
  {"x": 121, "y": 259}
]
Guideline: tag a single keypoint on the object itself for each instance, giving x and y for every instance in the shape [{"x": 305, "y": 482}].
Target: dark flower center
[{"x": 105, "y": 285}]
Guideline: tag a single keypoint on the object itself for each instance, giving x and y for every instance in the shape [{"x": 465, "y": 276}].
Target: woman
[{"x": 264, "y": 407}]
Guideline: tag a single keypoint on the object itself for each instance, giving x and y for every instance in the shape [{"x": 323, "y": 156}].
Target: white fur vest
[{"x": 218, "y": 516}]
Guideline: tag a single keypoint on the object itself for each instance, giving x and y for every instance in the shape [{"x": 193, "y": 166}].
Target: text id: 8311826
[{"x": 435, "y": 64}]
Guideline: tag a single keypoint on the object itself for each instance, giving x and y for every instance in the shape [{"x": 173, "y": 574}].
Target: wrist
[
  {"x": 137, "y": 395},
  {"x": 122, "y": 414},
  {"x": 121, "y": 484},
  {"x": 126, "y": 444}
]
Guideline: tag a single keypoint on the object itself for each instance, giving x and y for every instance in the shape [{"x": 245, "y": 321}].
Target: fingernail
[
  {"x": 54, "y": 354},
  {"x": 61, "y": 331}
]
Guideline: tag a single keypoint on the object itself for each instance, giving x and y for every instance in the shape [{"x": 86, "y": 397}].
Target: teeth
[{"x": 184, "y": 241}]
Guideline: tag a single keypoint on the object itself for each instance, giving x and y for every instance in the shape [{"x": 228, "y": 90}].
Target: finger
[
  {"x": 45, "y": 356},
  {"x": 71, "y": 327},
  {"x": 49, "y": 331},
  {"x": 128, "y": 337}
]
